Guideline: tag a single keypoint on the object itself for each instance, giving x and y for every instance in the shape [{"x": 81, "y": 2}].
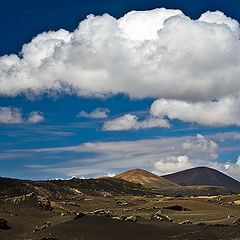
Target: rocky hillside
[{"x": 54, "y": 188}]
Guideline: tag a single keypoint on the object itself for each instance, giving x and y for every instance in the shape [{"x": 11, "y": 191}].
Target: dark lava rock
[
  {"x": 44, "y": 204},
  {"x": 177, "y": 208},
  {"x": 3, "y": 224},
  {"x": 79, "y": 215}
]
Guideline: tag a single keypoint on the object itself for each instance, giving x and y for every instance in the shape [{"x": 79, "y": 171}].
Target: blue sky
[{"x": 90, "y": 95}]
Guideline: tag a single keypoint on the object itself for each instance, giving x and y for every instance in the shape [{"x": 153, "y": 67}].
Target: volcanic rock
[
  {"x": 45, "y": 225},
  {"x": 44, "y": 204},
  {"x": 160, "y": 216},
  {"x": 131, "y": 218},
  {"x": 79, "y": 215},
  {"x": 177, "y": 208},
  {"x": 3, "y": 224},
  {"x": 186, "y": 222}
]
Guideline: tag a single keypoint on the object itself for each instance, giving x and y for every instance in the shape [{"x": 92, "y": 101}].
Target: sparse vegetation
[{"x": 108, "y": 208}]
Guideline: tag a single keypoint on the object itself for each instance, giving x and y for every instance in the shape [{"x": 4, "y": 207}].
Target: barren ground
[{"x": 217, "y": 213}]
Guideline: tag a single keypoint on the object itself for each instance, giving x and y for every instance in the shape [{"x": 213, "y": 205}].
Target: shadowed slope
[
  {"x": 145, "y": 178},
  {"x": 203, "y": 176}
]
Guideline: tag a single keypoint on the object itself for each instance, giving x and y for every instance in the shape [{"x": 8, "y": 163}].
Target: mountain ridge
[
  {"x": 145, "y": 178},
  {"x": 200, "y": 176}
]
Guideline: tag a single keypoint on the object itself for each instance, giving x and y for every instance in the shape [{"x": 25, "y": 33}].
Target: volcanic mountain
[
  {"x": 145, "y": 178},
  {"x": 203, "y": 176}
]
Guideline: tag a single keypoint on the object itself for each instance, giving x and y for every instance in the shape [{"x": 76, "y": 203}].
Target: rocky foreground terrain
[{"x": 111, "y": 208}]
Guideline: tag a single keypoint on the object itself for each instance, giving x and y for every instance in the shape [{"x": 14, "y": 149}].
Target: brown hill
[
  {"x": 203, "y": 176},
  {"x": 145, "y": 178}
]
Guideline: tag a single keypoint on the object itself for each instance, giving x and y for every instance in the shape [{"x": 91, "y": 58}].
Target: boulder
[
  {"x": 167, "y": 218},
  {"x": 79, "y": 215},
  {"x": 102, "y": 212},
  {"x": 107, "y": 214},
  {"x": 186, "y": 222},
  {"x": 3, "y": 224},
  {"x": 21, "y": 199},
  {"x": 131, "y": 218},
  {"x": 98, "y": 211},
  {"x": 44, "y": 204},
  {"x": 160, "y": 216},
  {"x": 159, "y": 213},
  {"x": 45, "y": 225},
  {"x": 120, "y": 203},
  {"x": 117, "y": 218}
]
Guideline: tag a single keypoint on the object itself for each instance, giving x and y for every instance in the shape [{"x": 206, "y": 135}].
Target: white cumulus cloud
[
  {"x": 10, "y": 115},
  {"x": 35, "y": 117},
  {"x": 130, "y": 121},
  {"x": 219, "y": 18},
  {"x": 200, "y": 143},
  {"x": 232, "y": 169},
  {"x": 171, "y": 164},
  {"x": 156, "y": 53},
  {"x": 97, "y": 113},
  {"x": 125, "y": 122},
  {"x": 222, "y": 112}
]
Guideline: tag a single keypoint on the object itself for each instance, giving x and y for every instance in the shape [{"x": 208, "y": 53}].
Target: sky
[{"x": 96, "y": 88}]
